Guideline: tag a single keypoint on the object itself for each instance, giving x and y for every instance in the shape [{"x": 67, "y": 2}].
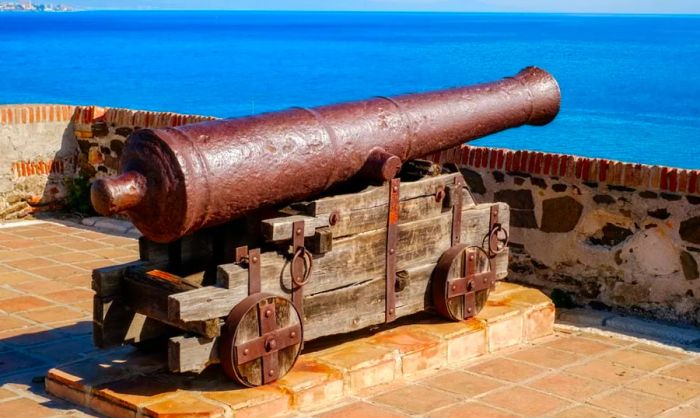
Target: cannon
[{"x": 262, "y": 232}]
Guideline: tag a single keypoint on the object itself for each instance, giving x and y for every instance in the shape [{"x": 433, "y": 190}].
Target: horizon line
[{"x": 381, "y": 11}]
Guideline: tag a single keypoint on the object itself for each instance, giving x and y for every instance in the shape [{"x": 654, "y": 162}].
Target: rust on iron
[
  {"x": 177, "y": 180},
  {"x": 300, "y": 265},
  {"x": 457, "y": 196},
  {"x": 468, "y": 283},
  {"x": 251, "y": 261},
  {"x": 497, "y": 238},
  {"x": 391, "y": 241},
  {"x": 380, "y": 166}
]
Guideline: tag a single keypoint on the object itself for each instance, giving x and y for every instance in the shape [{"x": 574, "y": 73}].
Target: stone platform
[{"x": 126, "y": 383}]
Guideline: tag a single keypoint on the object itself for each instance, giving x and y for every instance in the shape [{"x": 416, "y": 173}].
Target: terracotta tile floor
[{"x": 45, "y": 314}]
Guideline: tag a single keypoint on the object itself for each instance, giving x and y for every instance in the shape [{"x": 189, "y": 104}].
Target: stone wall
[
  {"x": 101, "y": 133},
  {"x": 37, "y": 150},
  {"x": 596, "y": 232},
  {"x": 44, "y": 147}
]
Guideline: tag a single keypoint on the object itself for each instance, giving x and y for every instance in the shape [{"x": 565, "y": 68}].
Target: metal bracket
[
  {"x": 300, "y": 271},
  {"x": 251, "y": 259},
  {"x": 457, "y": 211},
  {"x": 391, "y": 241},
  {"x": 496, "y": 244}
]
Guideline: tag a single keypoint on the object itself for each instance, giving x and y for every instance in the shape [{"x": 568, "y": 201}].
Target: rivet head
[
  {"x": 271, "y": 373},
  {"x": 391, "y": 311},
  {"x": 391, "y": 251},
  {"x": 245, "y": 352},
  {"x": 254, "y": 259},
  {"x": 268, "y": 312},
  {"x": 293, "y": 334},
  {"x": 469, "y": 310},
  {"x": 271, "y": 344},
  {"x": 471, "y": 256},
  {"x": 396, "y": 189}
]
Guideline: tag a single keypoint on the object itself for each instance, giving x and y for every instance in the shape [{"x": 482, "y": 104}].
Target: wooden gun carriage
[{"x": 241, "y": 269}]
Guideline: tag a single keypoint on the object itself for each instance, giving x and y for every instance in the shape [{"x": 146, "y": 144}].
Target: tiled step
[{"x": 125, "y": 383}]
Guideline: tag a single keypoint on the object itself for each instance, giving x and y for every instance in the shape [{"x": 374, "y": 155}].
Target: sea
[{"x": 630, "y": 83}]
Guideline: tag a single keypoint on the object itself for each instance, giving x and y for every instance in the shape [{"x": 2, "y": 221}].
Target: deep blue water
[{"x": 631, "y": 84}]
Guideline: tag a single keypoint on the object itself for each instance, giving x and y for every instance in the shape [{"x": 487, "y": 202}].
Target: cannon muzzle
[{"x": 175, "y": 181}]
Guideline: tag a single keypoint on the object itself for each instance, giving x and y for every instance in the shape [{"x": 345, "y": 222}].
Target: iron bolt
[
  {"x": 245, "y": 352},
  {"x": 271, "y": 344},
  {"x": 471, "y": 256},
  {"x": 298, "y": 231},
  {"x": 268, "y": 312},
  {"x": 391, "y": 311},
  {"x": 454, "y": 287},
  {"x": 254, "y": 260},
  {"x": 391, "y": 251},
  {"x": 469, "y": 310},
  {"x": 396, "y": 189},
  {"x": 293, "y": 334},
  {"x": 271, "y": 373}
]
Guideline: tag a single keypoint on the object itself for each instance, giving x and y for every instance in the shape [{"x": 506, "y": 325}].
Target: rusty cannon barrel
[{"x": 175, "y": 181}]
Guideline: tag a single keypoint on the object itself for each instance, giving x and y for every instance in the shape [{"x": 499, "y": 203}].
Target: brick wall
[
  {"x": 38, "y": 150},
  {"x": 45, "y": 145},
  {"x": 596, "y": 232}
]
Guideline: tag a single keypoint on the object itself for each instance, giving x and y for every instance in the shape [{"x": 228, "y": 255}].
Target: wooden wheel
[
  {"x": 261, "y": 339},
  {"x": 461, "y": 282}
]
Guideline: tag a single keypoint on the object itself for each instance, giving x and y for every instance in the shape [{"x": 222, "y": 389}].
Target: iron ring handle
[
  {"x": 308, "y": 264},
  {"x": 493, "y": 237}
]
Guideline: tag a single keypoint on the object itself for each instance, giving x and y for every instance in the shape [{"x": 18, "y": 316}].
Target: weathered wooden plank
[
  {"x": 417, "y": 201},
  {"x": 361, "y": 256},
  {"x": 279, "y": 229},
  {"x": 116, "y": 324},
  {"x": 191, "y": 353},
  {"x": 148, "y": 296},
  {"x": 375, "y": 195},
  {"x": 338, "y": 311},
  {"x": 107, "y": 281},
  {"x": 202, "y": 304}
]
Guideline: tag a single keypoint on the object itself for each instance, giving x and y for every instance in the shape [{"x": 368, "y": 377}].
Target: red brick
[
  {"x": 683, "y": 181},
  {"x": 464, "y": 157},
  {"x": 184, "y": 405},
  {"x": 538, "y": 163},
  {"x": 563, "y": 165},
  {"x": 547, "y": 164},
  {"x": 602, "y": 170},
  {"x": 477, "y": 157},
  {"x": 516, "y": 160},
  {"x": 501, "y": 159},
  {"x": 663, "y": 182},
  {"x": 509, "y": 161},
  {"x": 532, "y": 162},
  {"x": 692, "y": 182},
  {"x": 673, "y": 180}
]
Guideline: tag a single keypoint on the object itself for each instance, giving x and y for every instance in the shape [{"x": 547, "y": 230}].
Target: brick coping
[
  {"x": 584, "y": 169},
  {"x": 125, "y": 383}
]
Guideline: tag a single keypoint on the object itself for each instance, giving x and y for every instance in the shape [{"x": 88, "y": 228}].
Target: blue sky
[{"x": 562, "y": 6}]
